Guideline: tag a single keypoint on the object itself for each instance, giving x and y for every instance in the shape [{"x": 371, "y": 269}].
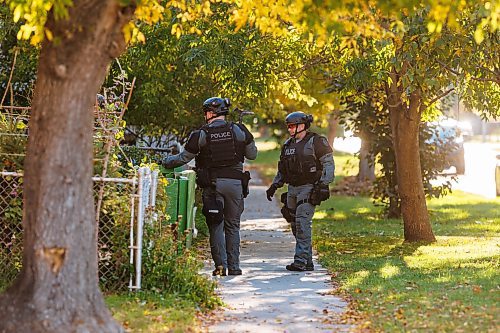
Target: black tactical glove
[
  {"x": 270, "y": 192},
  {"x": 320, "y": 192}
]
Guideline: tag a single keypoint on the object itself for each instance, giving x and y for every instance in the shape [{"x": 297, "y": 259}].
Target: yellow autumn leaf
[
  {"x": 18, "y": 11},
  {"x": 49, "y": 34},
  {"x": 479, "y": 35},
  {"x": 127, "y": 31},
  {"x": 140, "y": 37}
]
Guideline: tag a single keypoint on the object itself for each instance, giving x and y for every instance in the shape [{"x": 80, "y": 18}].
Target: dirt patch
[{"x": 351, "y": 186}]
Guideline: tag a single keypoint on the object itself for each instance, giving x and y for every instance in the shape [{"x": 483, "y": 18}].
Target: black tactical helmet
[
  {"x": 299, "y": 117},
  {"x": 217, "y": 105}
]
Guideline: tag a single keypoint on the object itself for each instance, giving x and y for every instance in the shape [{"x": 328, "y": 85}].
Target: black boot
[
  {"x": 219, "y": 271},
  {"x": 296, "y": 267}
]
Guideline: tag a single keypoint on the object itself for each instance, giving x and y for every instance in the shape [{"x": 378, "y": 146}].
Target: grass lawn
[
  {"x": 448, "y": 286},
  {"x": 152, "y": 313}
]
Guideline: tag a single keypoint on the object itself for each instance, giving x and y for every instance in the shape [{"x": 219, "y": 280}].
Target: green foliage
[
  {"x": 370, "y": 120},
  {"x": 447, "y": 286},
  {"x": 13, "y": 140},
  {"x": 169, "y": 268},
  {"x": 24, "y": 74},
  {"x": 11, "y": 235},
  {"x": 175, "y": 75},
  {"x": 132, "y": 156},
  {"x": 114, "y": 236},
  {"x": 150, "y": 312},
  {"x": 433, "y": 159},
  {"x": 433, "y": 65}
]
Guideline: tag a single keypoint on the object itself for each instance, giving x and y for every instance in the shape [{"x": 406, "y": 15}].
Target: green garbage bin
[
  {"x": 189, "y": 199},
  {"x": 182, "y": 204},
  {"x": 172, "y": 190},
  {"x": 181, "y": 195}
]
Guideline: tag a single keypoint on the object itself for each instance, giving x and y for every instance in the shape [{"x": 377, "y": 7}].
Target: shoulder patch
[{"x": 321, "y": 146}]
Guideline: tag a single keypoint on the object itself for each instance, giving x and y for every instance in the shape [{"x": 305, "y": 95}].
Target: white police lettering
[
  {"x": 222, "y": 135},
  {"x": 289, "y": 151}
]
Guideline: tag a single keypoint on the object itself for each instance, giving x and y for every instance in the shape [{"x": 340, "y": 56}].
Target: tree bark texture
[
  {"x": 366, "y": 164},
  {"x": 394, "y": 209},
  {"x": 405, "y": 122},
  {"x": 333, "y": 122},
  {"x": 57, "y": 289}
]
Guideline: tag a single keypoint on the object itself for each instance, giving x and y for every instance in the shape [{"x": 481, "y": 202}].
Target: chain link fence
[
  {"x": 11, "y": 231},
  {"x": 124, "y": 206},
  {"x": 115, "y": 218}
]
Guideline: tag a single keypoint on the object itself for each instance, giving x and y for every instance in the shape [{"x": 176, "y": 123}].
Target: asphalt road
[{"x": 480, "y": 163}]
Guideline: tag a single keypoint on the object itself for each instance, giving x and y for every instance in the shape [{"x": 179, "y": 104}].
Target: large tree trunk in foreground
[
  {"x": 405, "y": 122},
  {"x": 57, "y": 289}
]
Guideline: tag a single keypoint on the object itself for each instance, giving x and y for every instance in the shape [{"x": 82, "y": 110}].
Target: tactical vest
[
  {"x": 222, "y": 148},
  {"x": 297, "y": 166}
]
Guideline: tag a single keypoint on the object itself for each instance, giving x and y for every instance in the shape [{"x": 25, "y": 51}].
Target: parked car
[
  {"x": 497, "y": 175},
  {"x": 450, "y": 130}
]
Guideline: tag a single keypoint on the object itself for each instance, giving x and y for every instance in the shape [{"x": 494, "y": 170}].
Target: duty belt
[
  {"x": 226, "y": 173},
  {"x": 299, "y": 183}
]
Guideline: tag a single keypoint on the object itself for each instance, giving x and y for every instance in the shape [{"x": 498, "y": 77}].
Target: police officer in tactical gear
[
  {"x": 219, "y": 148},
  {"x": 306, "y": 165}
]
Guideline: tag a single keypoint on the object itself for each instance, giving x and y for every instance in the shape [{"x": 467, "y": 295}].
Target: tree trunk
[
  {"x": 405, "y": 122},
  {"x": 366, "y": 163},
  {"x": 394, "y": 210},
  {"x": 332, "y": 128},
  {"x": 57, "y": 289}
]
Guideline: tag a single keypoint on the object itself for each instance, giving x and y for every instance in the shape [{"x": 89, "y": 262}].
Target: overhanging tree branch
[
  {"x": 437, "y": 98},
  {"x": 496, "y": 79}
]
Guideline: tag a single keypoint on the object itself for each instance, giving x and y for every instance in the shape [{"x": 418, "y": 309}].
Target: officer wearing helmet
[
  {"x": 219, "y": 148},
  {"x": 306, "y": 165}
]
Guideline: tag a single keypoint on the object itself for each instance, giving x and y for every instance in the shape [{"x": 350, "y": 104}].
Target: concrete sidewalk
[{"x": 267, "y": 297}]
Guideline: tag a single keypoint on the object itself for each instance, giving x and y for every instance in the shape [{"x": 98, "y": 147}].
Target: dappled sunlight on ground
[
  {"x": 451, "y": 250},
  {"x": 389, "y": 271},
  {"x": 319, "y": 215}
]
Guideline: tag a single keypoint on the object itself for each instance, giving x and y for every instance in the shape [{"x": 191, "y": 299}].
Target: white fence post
[
  {"x": 143, "y": 193},
  {"x": 141, "y": 208}
]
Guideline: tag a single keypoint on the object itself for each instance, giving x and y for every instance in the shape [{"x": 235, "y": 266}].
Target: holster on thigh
[
  {"x": 287, "y": 213},
  {"x": 213, "y": 210}
]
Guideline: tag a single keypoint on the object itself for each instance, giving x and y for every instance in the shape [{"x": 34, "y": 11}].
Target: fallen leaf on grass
[{"x": 476, "y": 289}]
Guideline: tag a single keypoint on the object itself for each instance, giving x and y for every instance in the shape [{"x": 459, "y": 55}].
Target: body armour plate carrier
[
  {"x": 221, "y": 150},
  {"x": 298, "y": 166}
]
